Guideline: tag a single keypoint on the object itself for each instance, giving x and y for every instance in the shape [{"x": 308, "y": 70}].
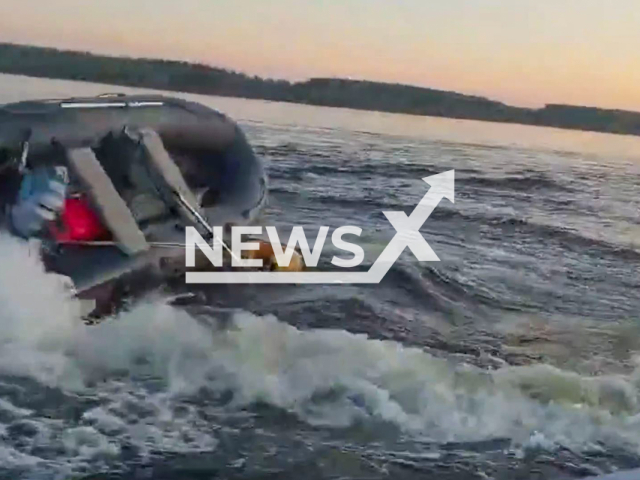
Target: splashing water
[{"x": 135, "y": 381}]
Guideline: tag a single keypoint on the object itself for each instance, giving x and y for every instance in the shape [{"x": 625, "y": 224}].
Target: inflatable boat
[{"x": 149, "y": 166}]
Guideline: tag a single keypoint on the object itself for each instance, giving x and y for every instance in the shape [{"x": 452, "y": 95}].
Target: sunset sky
[{"x": 527, "y": 52}]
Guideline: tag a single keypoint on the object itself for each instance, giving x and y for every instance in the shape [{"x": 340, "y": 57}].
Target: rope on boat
[
  {"x": 111, "y": 243},
  {"x": 204, "y": 223}
]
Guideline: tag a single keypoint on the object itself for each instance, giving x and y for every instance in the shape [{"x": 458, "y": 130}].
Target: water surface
[{"x": 515, "y": 357}]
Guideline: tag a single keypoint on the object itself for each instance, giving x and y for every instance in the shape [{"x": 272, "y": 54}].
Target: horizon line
[{"x": 300, "y": 80}]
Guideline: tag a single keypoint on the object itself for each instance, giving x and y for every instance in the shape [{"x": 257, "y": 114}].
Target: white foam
[
  {"x": 88, "y": 443},
  {"x": 37, "y": 317},
  {"x": 10, "y": 408},
  {"x": 325, "y": 377}
]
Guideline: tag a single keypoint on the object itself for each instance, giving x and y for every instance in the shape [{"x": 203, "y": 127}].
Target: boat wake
[{"x": 157, "y": 379}]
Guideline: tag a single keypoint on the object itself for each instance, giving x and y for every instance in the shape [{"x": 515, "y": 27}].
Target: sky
[{"x": 524, "y": 52}]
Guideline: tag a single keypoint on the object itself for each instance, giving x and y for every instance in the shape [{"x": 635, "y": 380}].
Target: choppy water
[{"x": 517, "y": 356}]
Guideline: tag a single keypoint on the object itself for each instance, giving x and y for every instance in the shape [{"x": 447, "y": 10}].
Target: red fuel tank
[{"x": 78, "y": 223}]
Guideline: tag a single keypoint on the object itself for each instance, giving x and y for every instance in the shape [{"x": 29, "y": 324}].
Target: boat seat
[
  {"x": 166, "y": 170},
  {"x": 112, "y": 209},
  {"x": 121, "y": 158},
  {"x": 147, "y": 208}
]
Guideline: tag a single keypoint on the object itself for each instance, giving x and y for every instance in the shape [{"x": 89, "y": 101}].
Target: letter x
[{"x": 408, "y": 228}]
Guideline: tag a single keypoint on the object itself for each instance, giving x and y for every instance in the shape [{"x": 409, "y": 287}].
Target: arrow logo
[{"x": 407, "y": 236}]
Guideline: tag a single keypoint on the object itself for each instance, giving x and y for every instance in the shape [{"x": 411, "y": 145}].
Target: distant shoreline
[{"x": 186, "y": 77}]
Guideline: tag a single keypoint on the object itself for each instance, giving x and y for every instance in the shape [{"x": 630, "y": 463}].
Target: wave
[
  {"x": 353, "y": 168},
  {"x": 135, "y": 382},
  {"x": 387, "y": 179},
  {"x": 515, "y": 224},
  {"x": 569, "y": 237},
  {"x": 528, "y": 181},
  {"x": 437, "y": 291},
  {"x": 337, "y": 162}
]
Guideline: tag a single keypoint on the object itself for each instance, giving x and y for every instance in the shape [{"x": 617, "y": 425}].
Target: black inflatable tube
[{"x": 225, "y": 160}]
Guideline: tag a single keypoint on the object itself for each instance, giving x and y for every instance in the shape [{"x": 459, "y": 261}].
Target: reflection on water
[{"x": 615, "y": 147}]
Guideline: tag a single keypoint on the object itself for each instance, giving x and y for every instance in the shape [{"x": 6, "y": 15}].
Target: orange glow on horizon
[{"x": 575, "y": 51}]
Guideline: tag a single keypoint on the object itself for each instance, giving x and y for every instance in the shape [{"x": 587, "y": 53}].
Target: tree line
[{"x": 331, "y": 92}]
